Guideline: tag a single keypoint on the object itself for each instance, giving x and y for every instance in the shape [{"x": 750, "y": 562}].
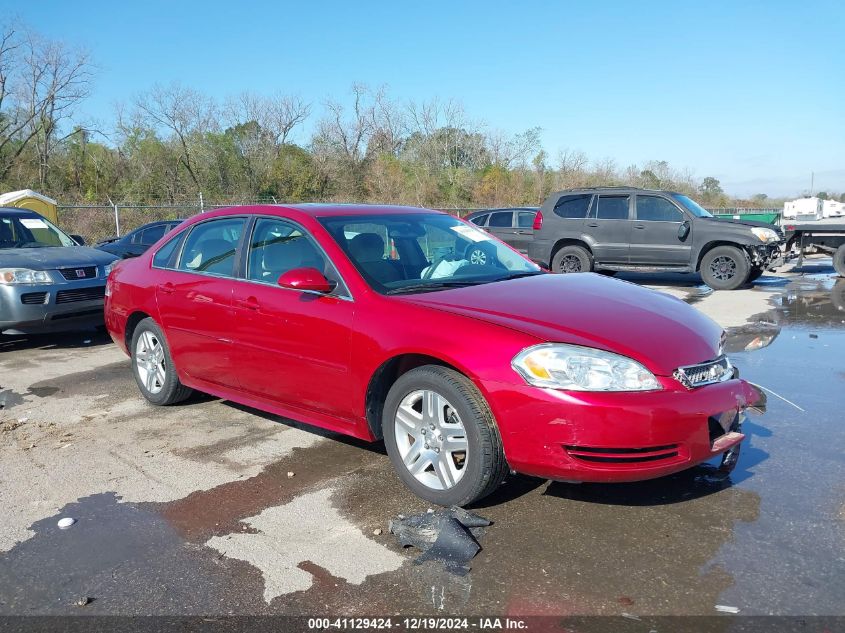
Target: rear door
[
  {"x": 655, "y": 236},
  {"x": 195, "y": 301},
  {"x": 609, "y": 228},
  {"x": 524, "y": 232},
  {"x": 501, "y": 224}
]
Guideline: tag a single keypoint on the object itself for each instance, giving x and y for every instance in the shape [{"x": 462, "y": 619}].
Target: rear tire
[
  {"x": 447, "y": 400},
  {"x": 572, "y": 259},
  {"x": 839, "y": 260},
  {"x": 153, "y": 368},
  {"x": 725, "y": 268}
]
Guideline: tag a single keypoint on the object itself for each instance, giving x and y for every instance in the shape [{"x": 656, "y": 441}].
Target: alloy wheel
[
  {"x": 431, "y": 439},
  {"x": 149, "y": 360},
  {"x": 570, "y": 264},
  {"x": 478, "y": 256},
  {"x": 723, "y": 268}
]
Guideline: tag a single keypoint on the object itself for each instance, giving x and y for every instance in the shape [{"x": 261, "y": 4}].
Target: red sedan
[{"x": 387, "y": 323}]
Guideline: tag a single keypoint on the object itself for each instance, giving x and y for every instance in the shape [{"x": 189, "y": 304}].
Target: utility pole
[
  {"x": 116, "y": 217},
  {"x": 812, "y": 182}
]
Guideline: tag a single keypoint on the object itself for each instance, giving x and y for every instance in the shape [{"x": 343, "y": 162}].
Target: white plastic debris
[
  {"x": 66, "y": 523},
  {"x": 722, "y": 608}
]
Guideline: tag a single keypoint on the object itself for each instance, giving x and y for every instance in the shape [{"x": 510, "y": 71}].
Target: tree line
[{"x": 172, "y": 142}]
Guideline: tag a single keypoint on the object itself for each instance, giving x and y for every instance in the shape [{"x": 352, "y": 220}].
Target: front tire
[
  {"x": 153, "y": 366},
  {"x": 572, "y": 259},
  {"x": 725, "y": 268},
  {"x": 755, "y": 274},
  {"x": 441, "y": 437}
]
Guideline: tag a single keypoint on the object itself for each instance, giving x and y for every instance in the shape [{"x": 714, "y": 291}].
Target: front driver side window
[
  {"x": 657, "y": 209},
  {"x": 278, "y": 246},
  {"x": 211, "y": 247}
]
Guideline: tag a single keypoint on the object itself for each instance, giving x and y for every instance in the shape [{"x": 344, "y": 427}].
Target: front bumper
[
  {"x": 614, "y": 437},
  {"x": 37, "y": 308}
]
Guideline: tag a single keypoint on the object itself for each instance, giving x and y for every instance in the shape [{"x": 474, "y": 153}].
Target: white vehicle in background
[{"x": 805, "y": 209}]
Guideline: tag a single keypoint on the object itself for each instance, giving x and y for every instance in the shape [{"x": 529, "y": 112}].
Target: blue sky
[{"x": 750, "y": 92}]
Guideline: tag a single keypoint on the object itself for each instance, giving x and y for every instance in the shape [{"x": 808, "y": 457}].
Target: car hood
[
  {"x": 50, "y": 258},
  {"x": 656, "y": 329},
  {"x": 749, "y": 223}
]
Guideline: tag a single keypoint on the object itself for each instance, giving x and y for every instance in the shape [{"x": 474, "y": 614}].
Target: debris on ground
[
  {"x": 722, "y": 608},
  {"x": 377, "y": 531},
  {"x": 448, "y": 535},
  {"x": 291, "y": 474},
  {"x": 66, "y": 522},
  {"x": 83, "y": 601}
]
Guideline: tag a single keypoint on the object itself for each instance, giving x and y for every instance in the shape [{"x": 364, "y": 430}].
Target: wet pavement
[{"x": 213, "y": 508}]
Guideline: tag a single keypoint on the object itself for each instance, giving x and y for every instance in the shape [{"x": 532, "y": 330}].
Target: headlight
[
  {"x": 765, "y": 235},
  {"x": 13, "y": 276},
  {"x": 577, "y": 368},
  {"x": 109, "y": 267}
]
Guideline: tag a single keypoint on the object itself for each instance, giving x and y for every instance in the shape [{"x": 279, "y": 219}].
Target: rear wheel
[
  {"x": 839, "y": 260},
  {"x": 572, "y": 259},
  {"x": 153, "y": 366},
  {"x": 441, "y": 437},
  {"x": 725, "y": 268}
]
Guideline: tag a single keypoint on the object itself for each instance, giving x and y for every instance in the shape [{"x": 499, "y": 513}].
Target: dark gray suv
[{"x": 611, "y": 229}]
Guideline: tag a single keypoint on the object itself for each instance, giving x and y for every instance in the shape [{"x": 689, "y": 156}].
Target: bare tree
[
  {"x": 277, "y": 115},
  {"x": 41, "y": 83},
  {"x": 183, "y": 112}
]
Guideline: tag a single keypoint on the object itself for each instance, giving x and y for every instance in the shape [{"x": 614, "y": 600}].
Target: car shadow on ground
[
  {"x": 93, "y": 337},
  {"x": 372, "y": 447}
]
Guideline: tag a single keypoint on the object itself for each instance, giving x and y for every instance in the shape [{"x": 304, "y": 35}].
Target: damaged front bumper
[
  {"x": 766, "y": 256},
  {"x": 617, "y": 437}
]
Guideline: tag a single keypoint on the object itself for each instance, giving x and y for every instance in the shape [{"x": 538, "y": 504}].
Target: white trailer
[{"x": 804, "y": 209}]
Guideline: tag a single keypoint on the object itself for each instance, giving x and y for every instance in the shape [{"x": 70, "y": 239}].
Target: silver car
[{"x": 48, "y": 282}]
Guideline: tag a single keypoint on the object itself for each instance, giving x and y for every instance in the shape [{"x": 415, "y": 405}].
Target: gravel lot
[{"x": 213, "y": 508}]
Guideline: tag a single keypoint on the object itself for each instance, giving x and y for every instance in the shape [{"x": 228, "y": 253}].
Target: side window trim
[
  {"x": 176, "y": 257},
  {"x": 243, "y": 259}
]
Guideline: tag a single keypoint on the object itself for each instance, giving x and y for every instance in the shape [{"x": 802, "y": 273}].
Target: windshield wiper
[
  {"x": 528, "y": 273},
  {"x": 437, "y": 285}
]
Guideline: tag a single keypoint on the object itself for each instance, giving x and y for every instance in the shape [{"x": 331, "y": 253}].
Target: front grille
[
  {"x": 693, "y": 376},
  {"x": 83, "y": 272},
  {"x": 622, "y": 455},
  {"x": 81, "y": 294},
  {"x": 34, "y": 298}
]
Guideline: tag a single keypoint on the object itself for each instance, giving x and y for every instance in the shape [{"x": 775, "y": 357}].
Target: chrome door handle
[{"x": 167, "y": 288}]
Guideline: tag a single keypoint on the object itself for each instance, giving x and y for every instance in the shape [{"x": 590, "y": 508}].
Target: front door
[
  {"x": 195, "y": 301},
  {"x": 292, "y": 347},
  {"x": 501, "y": 224},
  {"x": 655, "y": 238},
  {"x": 609, "y": 229}
]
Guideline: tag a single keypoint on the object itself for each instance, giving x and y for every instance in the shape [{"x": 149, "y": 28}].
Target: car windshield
[
  {"x": 18, "y": 231},
  {"x": 692, "y": 206},
  {"x": 421, "y": 252}
]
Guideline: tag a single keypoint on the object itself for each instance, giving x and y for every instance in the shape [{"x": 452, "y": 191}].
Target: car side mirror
[
  {"x": 683, "y": 230},
  {"x": 78, "y": 239},
  {"x": 306, "y": 279}
]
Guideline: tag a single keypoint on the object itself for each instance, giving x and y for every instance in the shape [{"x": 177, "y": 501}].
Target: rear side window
[
  {"x": 480, "y": 220},
  {"x": 573, "y": 207},
  {"x": 152, "y": 235},
  {"x": 164, "y": 256},
  {"x": 657, "y": 209},
  {"x": 211, "y": 246},
  {"x": 612, "y": 208},
  {"x": 501, "y": 219},
  {"x": 526, "y": 219}
]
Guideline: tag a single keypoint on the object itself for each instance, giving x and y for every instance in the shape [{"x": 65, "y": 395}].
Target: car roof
[
  {"x": 320, "y": 210},
  {"x": 611, "y": 189},
  {"x": 483, "y": 211},
  {"x": 22, "y": 213}
]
